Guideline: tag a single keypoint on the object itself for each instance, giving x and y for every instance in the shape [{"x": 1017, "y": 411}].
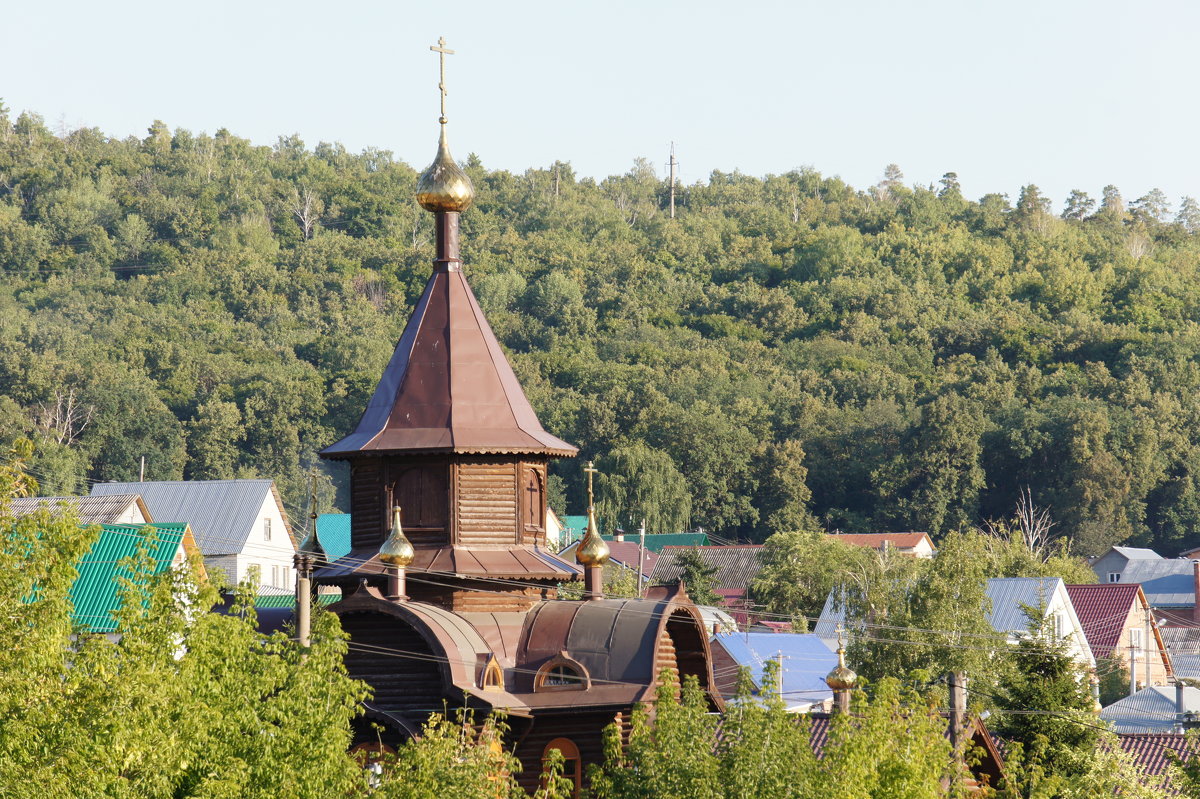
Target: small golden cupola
[
  {"x": 398, "y": 553},
  {"x": 397, "y": 550},
  {"x": 592, "y": 550},
  {"x": 841, "y": 679}
]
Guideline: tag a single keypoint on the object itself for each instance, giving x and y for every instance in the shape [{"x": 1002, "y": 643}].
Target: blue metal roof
[
  {"x": 1149, "y": 710},
  {"x": 333, "y": 531},
  {"x": 1166, "y": 582},
  {"x": 806, "y": 662}
]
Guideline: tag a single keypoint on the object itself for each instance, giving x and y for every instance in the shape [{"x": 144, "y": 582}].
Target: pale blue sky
[{"x": 1062, "y": 93}]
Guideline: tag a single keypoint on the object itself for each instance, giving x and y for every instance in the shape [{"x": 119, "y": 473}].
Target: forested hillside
[{"x": 788, "y": 352}]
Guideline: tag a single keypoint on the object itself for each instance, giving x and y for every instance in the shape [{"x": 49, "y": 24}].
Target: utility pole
[
  {"x": 1132, "y": 664},
  {"x": 304, "y": 560},
  {"x": 556, "y": 179},
  {"x": 674, "y": 164},
  {"x": 779, "y": 684},
  {"x": 641, "y": 557},
  {"x": 142, "y": 471}
]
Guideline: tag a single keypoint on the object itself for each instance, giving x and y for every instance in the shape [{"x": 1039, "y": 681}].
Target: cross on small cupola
[
  {"x": 591, "y": 470},
  {"x": 442, "y": 51}
]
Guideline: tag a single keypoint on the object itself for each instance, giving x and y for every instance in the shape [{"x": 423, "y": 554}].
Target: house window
[
  {"x": 1057, "y": 626},
  {"x": 266, "y": 529},
  {"x": 1114, "y": 577},
  {"x": 1135, "y": 638},
  {"x": 561, "y": 674},
  {"x": 572, "y": 763}
]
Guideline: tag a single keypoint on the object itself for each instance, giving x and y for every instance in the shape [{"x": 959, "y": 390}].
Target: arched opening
[
  {"x": 572, "y": 764},
  {"x": 421, "y": 493},
  {"x": 687, "y": 639},
  {"x": 534, "y": 501},
  {"x": 562, "y": 673},
  {"x": 396, "y": 661}
]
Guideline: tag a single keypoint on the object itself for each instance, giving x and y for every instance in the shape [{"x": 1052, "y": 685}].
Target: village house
[
  {"x": 1009, "y": 598},
  {"x": 1157, "y": 709},
  {"x": 1110, "y": 566},
  {"x": 916, "y": 544},
  {"x": 625, "y": 555},
  {"x": 107, "y": 509},
  {"x": 1118, "y": 622},
  {"x": 240, "y": 526},
  {"x": 450, "y": 592},
  {"x": 736, "y": 567},
  {"x": 803, "y": 660},
  {"x": 96, "y": 592}
]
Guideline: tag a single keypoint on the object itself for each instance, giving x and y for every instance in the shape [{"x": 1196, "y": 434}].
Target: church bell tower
[{"x": 450, "y": 438}]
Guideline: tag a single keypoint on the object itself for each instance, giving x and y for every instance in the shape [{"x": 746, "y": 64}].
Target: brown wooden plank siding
[
  {"x": 366, "y": 503},
  {"x": 486, "y": 501},
  {"x": 408, "y": 685},
  {"x": 584, "y": 728}
]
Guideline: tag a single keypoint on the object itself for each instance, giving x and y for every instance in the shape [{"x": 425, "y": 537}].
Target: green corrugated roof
[
  {"x": 333, "y": 531},
  {"x": 96, "y": 592},
  {"x": 289, "y": 600},
  {"x": 656, "y": 541}
]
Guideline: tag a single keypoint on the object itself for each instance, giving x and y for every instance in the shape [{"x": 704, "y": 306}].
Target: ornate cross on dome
[
  {"x": 440, "y": 49},
  {"x": 590, "y": 471}
]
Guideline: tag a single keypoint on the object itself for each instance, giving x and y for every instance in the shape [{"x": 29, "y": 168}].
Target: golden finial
[
  {"x": 592, "y": 550},
  {"x": 397, "y": 550},
  {"x": 842, "y": 678},
  {"x": 444, "y": 186}
]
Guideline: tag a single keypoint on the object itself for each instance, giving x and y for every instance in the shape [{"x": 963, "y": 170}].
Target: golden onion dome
[
  {"x": 842, "y": 678},
  {"x": 592, "y": 550},
  {"x": 397, "y": 550},
  {"x": 444, "y": 186}
]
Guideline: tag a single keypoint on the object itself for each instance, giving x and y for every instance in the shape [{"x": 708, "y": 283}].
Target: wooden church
[{"x": 449, "y": 594}]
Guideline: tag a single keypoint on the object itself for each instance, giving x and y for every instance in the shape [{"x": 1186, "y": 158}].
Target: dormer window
[
  {"x": 491, "y": 677},
  {"x": 562, "y": 673}
]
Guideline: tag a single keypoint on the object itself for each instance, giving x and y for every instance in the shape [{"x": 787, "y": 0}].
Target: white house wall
[{"x": 274, "y": 557}]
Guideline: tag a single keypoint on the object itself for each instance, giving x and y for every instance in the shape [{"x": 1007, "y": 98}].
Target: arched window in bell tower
[
  {"x": 534, "y": 500},
  {"x": 420, "y": 491}
]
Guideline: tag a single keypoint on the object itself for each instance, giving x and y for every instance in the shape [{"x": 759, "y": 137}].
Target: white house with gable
[
  {"x": 239, "y": 525},
  {"x": 1011, "y": 600}
]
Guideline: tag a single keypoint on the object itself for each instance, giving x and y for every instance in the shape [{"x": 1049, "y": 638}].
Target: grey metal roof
[
  {"x": 1167, "y": 582},
  {"x": 1138, "y": 553},
  {"x": 736, "y": 565},
  {"x": 221, "y": 512},
  {"x": 1007, "y": 595},
  {"x": 107, "y": 509},
  {"x": 1149, "y": 710},
  {"x": 1010, "y": 595},
  {"x": 1183, "y": 644}
]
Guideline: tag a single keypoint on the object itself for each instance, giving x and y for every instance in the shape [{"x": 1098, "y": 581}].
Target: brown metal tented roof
[{"x": 449, "y": 387}]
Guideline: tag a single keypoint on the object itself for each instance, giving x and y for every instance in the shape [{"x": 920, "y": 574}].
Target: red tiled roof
[
  {"x": 876, "y": 540},
  {"x": 1150, "y": 750},
  {"x": 626, "y": 553},
  {"x": 1102, "y": 610}
]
